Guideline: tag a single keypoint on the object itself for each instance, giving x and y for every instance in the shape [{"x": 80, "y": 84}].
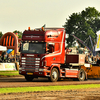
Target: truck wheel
[
  {"x": 54, "y": 75},
  {"x": 29, "y": 78},
  {"x": 81, "y": 75}
]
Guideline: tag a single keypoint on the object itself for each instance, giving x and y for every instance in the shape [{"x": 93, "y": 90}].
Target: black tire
[
  {"x": 82, "y": 75},
  {"x": 29, "y": 78},
  {"x": 54, "y": 75}
]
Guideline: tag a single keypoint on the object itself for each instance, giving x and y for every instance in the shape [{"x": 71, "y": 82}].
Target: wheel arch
[{"x": 57, "y": 67}]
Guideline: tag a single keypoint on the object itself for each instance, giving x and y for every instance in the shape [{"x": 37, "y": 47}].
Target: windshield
[{"x": 36, "y": 48}]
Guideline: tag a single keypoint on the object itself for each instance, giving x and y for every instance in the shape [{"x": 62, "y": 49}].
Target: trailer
[{"x": 43, "y": 54}]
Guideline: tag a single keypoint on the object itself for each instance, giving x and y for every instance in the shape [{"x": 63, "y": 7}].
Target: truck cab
[{"x": 41, "y": 52}]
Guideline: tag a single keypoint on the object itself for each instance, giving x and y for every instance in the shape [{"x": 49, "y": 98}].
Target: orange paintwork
[
  {"x": 9, "y": 40},
  {"x": 58, "y": 38},
  {"x": 93, "y": 71},
  {"x": 72, "y": 73}
]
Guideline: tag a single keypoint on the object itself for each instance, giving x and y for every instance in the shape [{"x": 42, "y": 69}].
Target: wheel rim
[{"x": 54, "y": 74}]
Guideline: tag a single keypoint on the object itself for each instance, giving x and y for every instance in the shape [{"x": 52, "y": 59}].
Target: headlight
[
  {"x": 23, "y": 58},
  {"x": 42, "y": 70}
]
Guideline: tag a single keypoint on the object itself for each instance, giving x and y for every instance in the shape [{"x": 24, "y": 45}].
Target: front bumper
[{"x": 40, "y": 73}]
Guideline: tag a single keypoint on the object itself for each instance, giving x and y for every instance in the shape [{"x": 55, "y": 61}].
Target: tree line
[
  {"x": 83, "y": 24},
  {"x": 19, "y": 33}
]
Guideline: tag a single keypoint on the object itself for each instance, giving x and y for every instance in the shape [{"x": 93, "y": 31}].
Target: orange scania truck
[{"x": 43, "y": 54}]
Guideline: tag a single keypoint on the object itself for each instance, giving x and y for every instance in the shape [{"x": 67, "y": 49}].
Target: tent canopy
[{"x": 3, "y": 48}]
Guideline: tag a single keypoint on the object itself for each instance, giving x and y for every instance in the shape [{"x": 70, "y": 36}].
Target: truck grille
[
  {"x": 31, "y": 61},
  {"x": 29, "y": 58}
]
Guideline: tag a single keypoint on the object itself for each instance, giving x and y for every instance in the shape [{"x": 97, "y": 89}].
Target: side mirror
[
  {"x": 70, "y": 50},
  {"x": 47, "y": 51}
]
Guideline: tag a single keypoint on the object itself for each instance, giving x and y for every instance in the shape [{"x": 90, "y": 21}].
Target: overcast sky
[{"x": 21, "y": 14}]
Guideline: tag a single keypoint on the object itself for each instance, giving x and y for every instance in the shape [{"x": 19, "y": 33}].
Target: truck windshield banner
[{"x": 31, "y": 36}]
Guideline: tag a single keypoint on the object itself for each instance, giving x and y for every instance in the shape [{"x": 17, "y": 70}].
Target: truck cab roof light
[
  {"x": 42, "y": 41},
  {"x": 29, "y": 41},
  {"x": 28, "y": 28},
  {"x": 42, "y": 28},
  {"x": 36, "y": 41},
  {"x": 32, "y": 41},
  {"x": 25, "y": 41}
]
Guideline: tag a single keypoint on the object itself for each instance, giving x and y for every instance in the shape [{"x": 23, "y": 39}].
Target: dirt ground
[
  {"x": 84, "y": 94},
  {"x": 80, "y": 94},
  {"x": 21, "y": 82}
]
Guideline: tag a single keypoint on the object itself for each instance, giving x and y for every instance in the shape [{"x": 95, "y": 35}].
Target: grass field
[
  {"x": 9, "y": 73},
  {"x": 42, "y": 88},
  {"x": 47, "y": 88}
]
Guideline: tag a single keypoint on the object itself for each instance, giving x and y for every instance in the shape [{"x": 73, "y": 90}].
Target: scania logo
[{"x": 29, "y": 55}]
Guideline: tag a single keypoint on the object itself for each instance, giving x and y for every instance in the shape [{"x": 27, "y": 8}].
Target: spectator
[
  {"x": 2, "y": 56},
  {"x": 94, "y": 60},
  {"x": 67, "y": 50},
  {"x": 9, "y": 57},
  {"x": 97, "y": 56},
  {"x": 90, "y": 59},
  {"x": 5, "y": 57},
  {"x": 86, "y": 59},
  {"x": 12, "y": 59}
]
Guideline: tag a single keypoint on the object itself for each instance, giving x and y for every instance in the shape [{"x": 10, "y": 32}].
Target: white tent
[{"x": 3, "y": 48}]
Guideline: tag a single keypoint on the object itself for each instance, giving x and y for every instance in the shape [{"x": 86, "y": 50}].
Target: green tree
[
  {"x": 82, "y": 25},
  {"x": 1, "y": 34},
  {"x": 19, "y": 33}
]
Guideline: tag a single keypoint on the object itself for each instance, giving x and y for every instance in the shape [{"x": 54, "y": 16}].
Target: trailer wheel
[
  {"x": 29, "y": 78},
  {"x": 54, "y": 75},
  {"x": 81, "y": 75}
]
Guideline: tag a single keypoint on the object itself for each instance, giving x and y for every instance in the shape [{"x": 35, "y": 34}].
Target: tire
[
  {"x": 82, "y": 75},
  {"x": 54, "y": 75},
  {"x": 29, "y": 78}
]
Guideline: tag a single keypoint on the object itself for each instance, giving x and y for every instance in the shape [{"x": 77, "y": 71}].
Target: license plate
[{"x": 29, "y": 73}]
